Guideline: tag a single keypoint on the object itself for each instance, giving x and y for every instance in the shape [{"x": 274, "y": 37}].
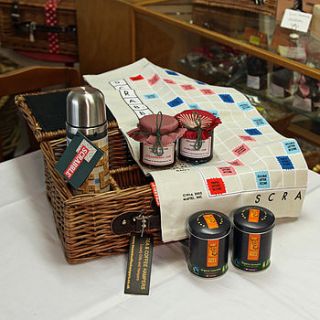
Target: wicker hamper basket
[{"x": 84, "y": 222}]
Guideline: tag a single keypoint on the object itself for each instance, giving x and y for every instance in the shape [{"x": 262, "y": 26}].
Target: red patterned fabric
[
  {"x": 51, "y": 20},
  {"x": 189, "y": 118}
]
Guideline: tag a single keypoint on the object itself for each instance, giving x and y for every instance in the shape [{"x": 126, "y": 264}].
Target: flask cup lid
[{"x": 86, "y": 107}]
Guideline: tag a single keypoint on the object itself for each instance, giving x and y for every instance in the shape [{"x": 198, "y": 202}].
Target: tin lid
[
  {"x": 86, "y": 107},
  {"x": 209, "y": 224},
  {"x": 253, "y": 219},
  {"x": 165, "y": 123}
]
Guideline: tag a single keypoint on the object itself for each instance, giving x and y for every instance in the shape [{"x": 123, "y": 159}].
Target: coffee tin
[
  {"x": 252, "y": 238},
  {"x": 208, "y": 243}
]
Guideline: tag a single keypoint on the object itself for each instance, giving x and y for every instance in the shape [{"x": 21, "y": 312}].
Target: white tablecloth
[{"x": 37, "y": 283}]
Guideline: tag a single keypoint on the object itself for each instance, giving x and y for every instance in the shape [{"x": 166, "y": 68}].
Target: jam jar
[
  {"x": 157, "y": 134},
  {"x": 196, "y": 145}
]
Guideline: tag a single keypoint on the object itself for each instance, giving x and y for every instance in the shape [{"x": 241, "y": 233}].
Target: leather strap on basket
[
  {"x": 136, "y": 222},
  {"x": 52, "y": 21}
]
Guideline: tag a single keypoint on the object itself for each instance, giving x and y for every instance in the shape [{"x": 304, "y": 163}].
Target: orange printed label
[
  {"x": 213, "y": 253},
  {"x": 254, "y": 215},
  {"x": 254, "y": 247},
  {"x": 211, "y": 221}
]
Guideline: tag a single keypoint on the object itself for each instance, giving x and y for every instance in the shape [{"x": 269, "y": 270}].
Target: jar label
[
  {"x": 148, "y": 157},
  {"x": 253, "y": 82},
  {"x": 187, "y": 148},
  {"x": 302, "y": 103},
  {"x": 213, "y": 253},
  {"x": 296, "y": 53},
  {"x": 277, "y": 91},
  {"x": 253, "y": 247},
  {"x": 211, "y": 221},
  {"x": 254, "y": 215}
]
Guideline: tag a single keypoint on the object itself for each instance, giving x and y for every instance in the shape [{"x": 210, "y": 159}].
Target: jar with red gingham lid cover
[{"x": 157, "y": 134}]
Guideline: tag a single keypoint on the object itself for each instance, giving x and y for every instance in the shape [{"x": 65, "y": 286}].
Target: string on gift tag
[{"x": 157, "y": 148}]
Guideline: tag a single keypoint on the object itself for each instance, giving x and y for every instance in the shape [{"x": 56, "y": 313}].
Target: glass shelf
[
  {"x": 217, "y": 65},
  {"x": 250, "y": 32},
  {"x": 213, "y": 45},
  {"x": 281, "y": 104}
]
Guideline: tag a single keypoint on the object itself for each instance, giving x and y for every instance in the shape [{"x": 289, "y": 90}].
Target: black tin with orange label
[
  {"x": 208, "y": 243},
  {"x": 252, "y": 237}
]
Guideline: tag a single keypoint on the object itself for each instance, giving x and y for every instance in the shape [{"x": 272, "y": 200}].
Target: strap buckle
[{"x": 136, "y": 221}]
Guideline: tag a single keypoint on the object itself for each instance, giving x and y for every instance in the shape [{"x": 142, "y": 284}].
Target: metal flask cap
[{"x": 86, "y": 108}]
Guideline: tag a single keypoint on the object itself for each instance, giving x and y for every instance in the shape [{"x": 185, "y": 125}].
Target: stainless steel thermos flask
[{"x": 86, "y": 113}]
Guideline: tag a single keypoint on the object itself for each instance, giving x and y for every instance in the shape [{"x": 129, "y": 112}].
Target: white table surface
[{"x": 36, "y": 282}]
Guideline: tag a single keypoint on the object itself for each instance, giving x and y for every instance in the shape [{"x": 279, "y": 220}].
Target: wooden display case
[
  {"x": 105, "y": 34},
  {"x": 166, "y": 31},
  {"x": 180, "y": 14}
]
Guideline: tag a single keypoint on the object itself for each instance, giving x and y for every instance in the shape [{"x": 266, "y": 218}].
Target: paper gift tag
[
  {"x": 139, "y": 264},
  {"x": 296, "y": 20},
  {"x": 78, "y": 160}
]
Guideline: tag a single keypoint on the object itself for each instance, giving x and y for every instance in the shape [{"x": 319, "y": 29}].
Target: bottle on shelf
[
  {"x": 281, "y": 82},
  {"x": 257, "y": 73},
  {"x": 307, "y": 96},
  {"x": 284, "y": 83}
]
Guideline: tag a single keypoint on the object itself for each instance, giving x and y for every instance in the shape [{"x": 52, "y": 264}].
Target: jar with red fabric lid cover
[
  {"x": 196, "y": 145},
  {"x": 157, "y": 134}
]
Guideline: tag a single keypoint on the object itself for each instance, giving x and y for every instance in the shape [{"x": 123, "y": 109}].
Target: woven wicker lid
[{"x": 165, "y": 123}]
